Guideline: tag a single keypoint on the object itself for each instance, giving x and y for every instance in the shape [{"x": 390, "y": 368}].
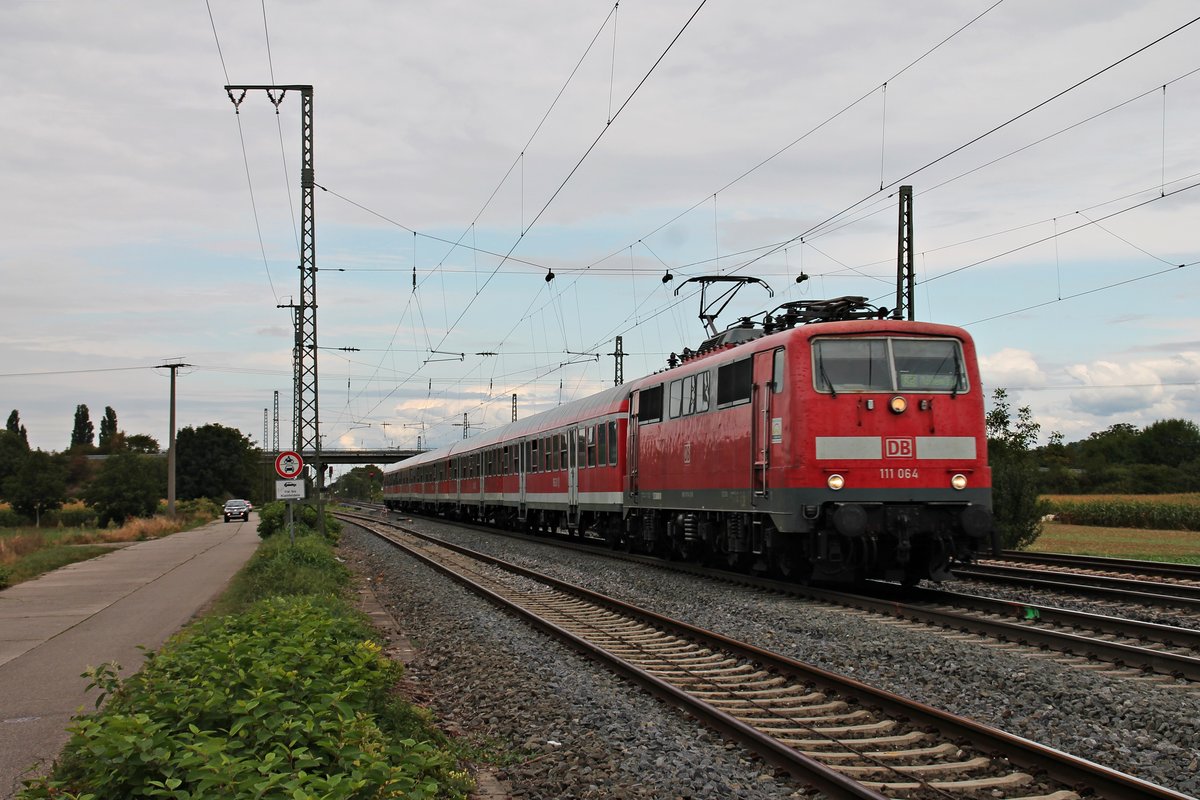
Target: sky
[{"x": 474, "y": 148}]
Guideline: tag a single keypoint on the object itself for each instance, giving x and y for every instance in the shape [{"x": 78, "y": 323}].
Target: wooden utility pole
[{"x": 174, "y": 367}]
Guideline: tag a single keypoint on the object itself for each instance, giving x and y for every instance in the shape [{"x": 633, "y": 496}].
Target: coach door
[
  {"x": 519, "y": 459},
  {"x": 457, "y": 467},
  {"x": 631, "y": 455},
  {"x": 765, "y": 429},
  {"x": 573, "y": 477}
]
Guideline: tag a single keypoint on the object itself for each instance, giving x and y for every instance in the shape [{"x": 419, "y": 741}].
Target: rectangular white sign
[{"x": 289, "y": 490}]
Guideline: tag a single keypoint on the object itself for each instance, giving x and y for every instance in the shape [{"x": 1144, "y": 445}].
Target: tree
[
  {"x": 360, "y": 483},
  {"x": 1055, "y": 459},
  {"x": 15, "y": 426},
  {"x": 128, "y": 485},
  {"x": 215, "y": 462},
  {"x": 141, "y": 443},
  {"x": 1169, "y": 442},
  {"x": 109, "y": 435},
  {"x": 39, "y": 484},
  {"x": 1015, "y": 505},
  {"x": 13, "y": 452},
  {"x": 83, "y": 434}
]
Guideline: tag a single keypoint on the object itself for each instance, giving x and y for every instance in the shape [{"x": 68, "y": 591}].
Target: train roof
[
  {"x": 735, "y": 348},
  {"x": 609, "y": 401},
  {"x": 615, "y": 399}
]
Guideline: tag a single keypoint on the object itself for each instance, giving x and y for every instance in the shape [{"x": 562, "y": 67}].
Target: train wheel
[{"x": 789, "y": 564}]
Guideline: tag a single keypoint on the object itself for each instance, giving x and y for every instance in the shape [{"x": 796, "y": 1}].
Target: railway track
[
  {"x": 1172, "y": 594},
  {"x": 1188, "y": 573},
  {"x": 842, "y": 736},
  {"x": 1131, "y": 648},
  {"x": 1120, "y": 647}
]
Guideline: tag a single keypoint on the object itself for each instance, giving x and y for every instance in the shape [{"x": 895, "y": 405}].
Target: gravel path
[{"x": 514, "y": 685}]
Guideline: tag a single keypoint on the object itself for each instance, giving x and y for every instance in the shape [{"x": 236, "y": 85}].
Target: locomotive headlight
[
  {"x": 898, "y": 405},
  {"x": 959, "y": 481},
  {"x": 836, "y": 482}
]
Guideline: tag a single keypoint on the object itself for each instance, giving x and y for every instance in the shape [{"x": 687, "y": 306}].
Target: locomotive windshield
[{"x": 888, "y": 365}]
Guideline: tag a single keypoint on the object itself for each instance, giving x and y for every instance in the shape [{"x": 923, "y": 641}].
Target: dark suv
[{"x": 237, "y": 509}]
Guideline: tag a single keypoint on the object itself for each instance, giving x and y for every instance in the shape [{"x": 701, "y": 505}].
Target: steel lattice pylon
[
  {"x": 306, "y": 417},
  {"x": 904, "y": 258}
]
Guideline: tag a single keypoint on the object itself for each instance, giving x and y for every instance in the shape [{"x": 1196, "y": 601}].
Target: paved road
[{"x": 55, "y": 627}]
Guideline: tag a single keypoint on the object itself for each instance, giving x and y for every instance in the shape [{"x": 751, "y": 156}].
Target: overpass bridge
[{"x": 338, "y": 456}]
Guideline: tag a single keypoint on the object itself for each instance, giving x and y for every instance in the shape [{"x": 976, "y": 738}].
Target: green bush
[
  {"x": 1112, "y": 513},
  {"x": 75, "y": 516},
  {"x": 201, "y": 507},
  {"x": 11, "y": 519},
  {"x": 280, "y": 568},
  {"x": 5, "y": 576},
  {"x": 289, "y": 699},
  {"x": 272, "y": 519}
]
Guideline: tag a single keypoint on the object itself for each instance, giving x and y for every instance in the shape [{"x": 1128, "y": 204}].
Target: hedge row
[
  {"x": 1127, "y": 513},
  {"x": 290, "y": 698}
]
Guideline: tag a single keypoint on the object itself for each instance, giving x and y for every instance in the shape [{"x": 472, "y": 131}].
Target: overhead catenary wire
[
  {"x": 245, "y": 159},
  {"x": 561, "y": 271}
]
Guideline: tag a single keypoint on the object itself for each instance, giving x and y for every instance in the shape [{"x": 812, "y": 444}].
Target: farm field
[{"x": 1150, "y": 545}]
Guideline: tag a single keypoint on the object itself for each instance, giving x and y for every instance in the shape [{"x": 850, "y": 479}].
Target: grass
[
  {"x": 26, "y": 553},
  {"x": 1181, "y": 547}
]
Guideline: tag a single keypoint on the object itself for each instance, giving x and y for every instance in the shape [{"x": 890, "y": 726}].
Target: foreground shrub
[
  {"x": 280, "y": 568},
  {"x": 289, "y": 699},
  {"x": 272, "y": 520}
]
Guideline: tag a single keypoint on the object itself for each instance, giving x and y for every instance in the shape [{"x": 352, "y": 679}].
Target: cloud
[{"x": 1011, "y": 367}]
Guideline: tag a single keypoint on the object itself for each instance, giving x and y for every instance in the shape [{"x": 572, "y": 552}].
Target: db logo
[{"x": 899, "y": 448}]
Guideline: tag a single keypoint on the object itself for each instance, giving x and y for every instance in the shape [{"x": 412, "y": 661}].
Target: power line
[
  {"x": 817, "y": 227},
  {"x": 245, "y": 156},
  {"x": 1084, "y": 293}
]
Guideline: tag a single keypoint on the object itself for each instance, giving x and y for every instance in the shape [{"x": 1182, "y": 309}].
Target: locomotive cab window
[
  {"x": 929, "y": 365},
  {"x": 888, "y": 365}
]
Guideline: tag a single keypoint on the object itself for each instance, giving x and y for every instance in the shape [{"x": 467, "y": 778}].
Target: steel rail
[
  {"x": 1144, "y": 592},
  {"x": 1063, "y": 767},
  {"x": 1163, "y": 569},
  {"x": 773, "y": 751},
  {"x": 902, "y": 602}
]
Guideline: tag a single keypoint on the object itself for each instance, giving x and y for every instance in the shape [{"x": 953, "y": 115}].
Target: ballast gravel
[{"x": 567, "y": 728}]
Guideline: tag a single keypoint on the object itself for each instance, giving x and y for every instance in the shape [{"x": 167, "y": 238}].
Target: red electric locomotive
[{"x": 827, "y": 444}]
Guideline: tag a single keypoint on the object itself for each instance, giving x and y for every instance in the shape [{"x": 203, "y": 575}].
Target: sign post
[{"x": 289, "y": 465}]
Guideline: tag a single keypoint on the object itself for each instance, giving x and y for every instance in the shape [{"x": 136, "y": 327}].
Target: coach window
[
  {"x": 546, "y": 454},
  {"x": 650, "y": 405},
  {"x": 612, "y": 443},
  {"x": 675, "y": 401},
  {"x": 582, "y": 447},
  {"x": 591, "y": 446},
  {"x": 703, "y": 388},
  {"x": 777, "y": 372},
  {"x": 534, "y": 462},
  {"x": 733, "y": 383},
  {"x": 563, "y": 441},
  {"x": 601, "y": 444},
  {"x": 556, "y": 443}
]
